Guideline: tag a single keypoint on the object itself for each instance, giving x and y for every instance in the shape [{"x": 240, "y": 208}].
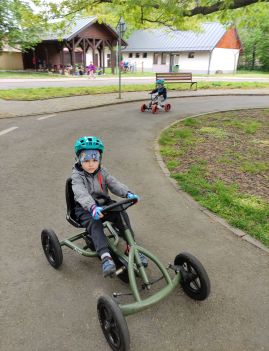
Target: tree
[
  {"x": 171, "y": 13},
  {"x": 255, "y": 41},
  {"x": 19, "y": 25}
]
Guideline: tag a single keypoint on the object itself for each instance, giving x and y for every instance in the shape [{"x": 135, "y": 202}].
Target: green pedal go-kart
[{"x": 187, "y": 272}]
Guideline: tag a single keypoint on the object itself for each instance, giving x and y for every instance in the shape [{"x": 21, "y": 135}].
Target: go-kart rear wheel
[
  {"x": 52, "y": 248},
  {"x": 113, "y": 324},
  {"x": 167, "y": 107},
  {"x": 194, "y": 279},
  {"x": 154, "y": 108},
  {"x": 143, "y": 108}
]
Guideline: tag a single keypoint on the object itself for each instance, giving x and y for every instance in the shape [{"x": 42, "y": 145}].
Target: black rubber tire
[
  {"x": 194, "y": 279},
  {"x": 52, "y": 248},
  {"x": 113, "y": 324}
]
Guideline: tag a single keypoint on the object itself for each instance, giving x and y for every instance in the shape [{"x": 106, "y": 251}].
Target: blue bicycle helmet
[
  {"x": 160, "y": 81},
  {"x": 88, "y": 143}
]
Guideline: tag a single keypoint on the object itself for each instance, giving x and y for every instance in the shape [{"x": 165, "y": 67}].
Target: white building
[{"x": 212, "y": 50}]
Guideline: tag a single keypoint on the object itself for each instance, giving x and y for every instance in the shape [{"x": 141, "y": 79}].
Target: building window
[
  {"x": 191, "y": 55},
  {"x": 137, "y": 55},
  {"x": 164, "y": 59},
  {"x": 130, "y": 55},
  {"x": 156, "y": 59},
  {"x": 145, "y": 55}
]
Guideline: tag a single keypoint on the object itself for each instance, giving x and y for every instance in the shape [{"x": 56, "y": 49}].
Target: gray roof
[
  {"x": 165, "y": 40},
  {"x": 73, "y": 29}
]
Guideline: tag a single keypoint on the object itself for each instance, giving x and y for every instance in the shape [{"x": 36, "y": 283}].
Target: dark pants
[{"x": 95, "y": 228}]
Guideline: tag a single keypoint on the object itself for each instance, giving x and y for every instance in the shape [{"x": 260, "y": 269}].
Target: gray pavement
[
  {"x": 43, "y": 309},
  {"x": 85, "y": 81},
  {"x": 27, "y": 108}
]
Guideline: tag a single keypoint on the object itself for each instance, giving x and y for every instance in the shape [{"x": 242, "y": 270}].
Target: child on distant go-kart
[
  {"x": 162, "y": 92},
  {"x": 91, "y": 184}
]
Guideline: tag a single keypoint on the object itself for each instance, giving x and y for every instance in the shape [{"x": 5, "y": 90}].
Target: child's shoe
[
  {"x": 108, "y": 266},
  {"x": 143, "y": 258}
]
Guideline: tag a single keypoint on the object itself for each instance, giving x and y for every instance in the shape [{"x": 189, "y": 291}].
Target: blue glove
[
  {"x": 96, "y": 212},
  {"x": 132, "y": 196}
]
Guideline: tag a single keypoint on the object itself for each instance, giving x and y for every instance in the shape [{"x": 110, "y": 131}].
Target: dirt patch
[{"x": 234, "y": 146}]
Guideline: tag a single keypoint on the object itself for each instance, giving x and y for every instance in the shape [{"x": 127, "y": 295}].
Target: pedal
[
  {"x": 120, "y": 270},
  {"x": 174, "y": 267},
  {"x": 121, "y": 294}
]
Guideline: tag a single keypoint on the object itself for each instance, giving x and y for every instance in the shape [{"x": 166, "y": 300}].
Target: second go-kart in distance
[
  {"x": 158, "y": 99},
  {"x": 154, "y": 106}
]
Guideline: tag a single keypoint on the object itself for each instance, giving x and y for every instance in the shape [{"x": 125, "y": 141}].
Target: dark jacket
[{"x": 161, "y": 92}]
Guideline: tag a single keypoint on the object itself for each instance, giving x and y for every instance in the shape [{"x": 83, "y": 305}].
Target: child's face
[{"x": 90, "y": 166}]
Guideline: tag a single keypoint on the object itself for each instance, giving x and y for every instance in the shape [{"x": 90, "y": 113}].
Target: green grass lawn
[
  {"x": 222, "y": 160},
  {"x": 53, "y": 92}
]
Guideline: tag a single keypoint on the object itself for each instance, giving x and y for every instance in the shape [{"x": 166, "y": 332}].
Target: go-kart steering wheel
[{"x": 119, "y": 206}]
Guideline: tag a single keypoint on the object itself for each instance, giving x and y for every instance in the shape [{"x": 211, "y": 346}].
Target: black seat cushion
[{"x": 70, "y": 204}]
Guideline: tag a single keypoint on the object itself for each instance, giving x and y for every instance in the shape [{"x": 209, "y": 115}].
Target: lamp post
[{"x": 121, "y": 28}]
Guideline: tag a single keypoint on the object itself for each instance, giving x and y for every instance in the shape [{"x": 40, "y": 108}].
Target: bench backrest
[{"x": 174, "y": 76}]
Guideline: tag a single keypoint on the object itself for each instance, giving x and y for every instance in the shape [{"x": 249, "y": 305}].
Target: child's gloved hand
[
  {"x": 132, "y": 196},
  {"x": 96, "y": 212}
]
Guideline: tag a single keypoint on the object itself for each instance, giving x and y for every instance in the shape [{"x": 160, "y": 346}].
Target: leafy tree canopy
[
  {"x": 18, "y": 24},
  {"x": 254, "y": 35},
  {"x": 176, "y": 14}
]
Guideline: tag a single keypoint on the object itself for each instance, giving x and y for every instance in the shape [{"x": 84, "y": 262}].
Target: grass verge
[
  {"x": 54, "y": 92},
  {"x": 222, "y": 161}
]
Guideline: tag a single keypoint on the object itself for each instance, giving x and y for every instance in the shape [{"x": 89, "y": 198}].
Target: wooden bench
[{"x": 177, "y": 78}]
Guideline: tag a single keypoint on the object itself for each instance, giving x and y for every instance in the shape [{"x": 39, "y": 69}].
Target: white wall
[
  {"x": 221, "y": 60},
  {"x": 140, "y": 62},
  {"x": 198, "y": 64},
  {"x": 89, "y": 56},
  {"x": 224, "y": 60}
]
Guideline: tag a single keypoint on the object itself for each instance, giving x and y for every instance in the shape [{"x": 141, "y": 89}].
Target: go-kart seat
[{"x": 70, "y": 204}]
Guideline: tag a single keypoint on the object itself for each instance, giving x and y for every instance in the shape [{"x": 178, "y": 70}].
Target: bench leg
[{"x": 195, "y": 85}]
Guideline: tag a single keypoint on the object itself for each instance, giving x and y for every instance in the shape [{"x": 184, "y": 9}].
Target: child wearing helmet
[
  {"x": 91, "y": 184},
  {"x": 161, "y": 90}
]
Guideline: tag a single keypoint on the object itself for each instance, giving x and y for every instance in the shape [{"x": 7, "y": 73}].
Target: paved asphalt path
[
  {"x": 44, "y": 309},
  {"x": 104, "y": 81}
]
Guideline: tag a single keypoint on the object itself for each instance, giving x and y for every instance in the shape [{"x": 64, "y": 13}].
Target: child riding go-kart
[
  {"x": 158, "y": 98},
  {"x": 130, "y": 265}
]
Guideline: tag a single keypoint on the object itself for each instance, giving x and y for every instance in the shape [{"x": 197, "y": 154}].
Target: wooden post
[
  {"x": 113, "y": 59},
  {"x": 93, "y": 53},
  {"x": 73, "y": 56},
  {"x": 84, "y": 56},
  {"x": 103, "y": 56}
]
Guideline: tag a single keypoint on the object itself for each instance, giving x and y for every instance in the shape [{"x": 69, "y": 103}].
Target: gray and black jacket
[{"x": 88, "y": 188}]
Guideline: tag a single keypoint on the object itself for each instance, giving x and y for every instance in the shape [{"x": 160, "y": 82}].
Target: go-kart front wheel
[
  {"x": 52, "y": 248},
  {"x": 154, "y": 108},
  {"x": 167, "y": 107},
  {"x": 113, "y": 324},
  {"x": 194, "y": 279},
  {"x": 143, "y": 108}
]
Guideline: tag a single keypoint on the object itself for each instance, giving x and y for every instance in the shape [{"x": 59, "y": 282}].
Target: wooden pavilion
[{"x": 86, "y": 40}]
